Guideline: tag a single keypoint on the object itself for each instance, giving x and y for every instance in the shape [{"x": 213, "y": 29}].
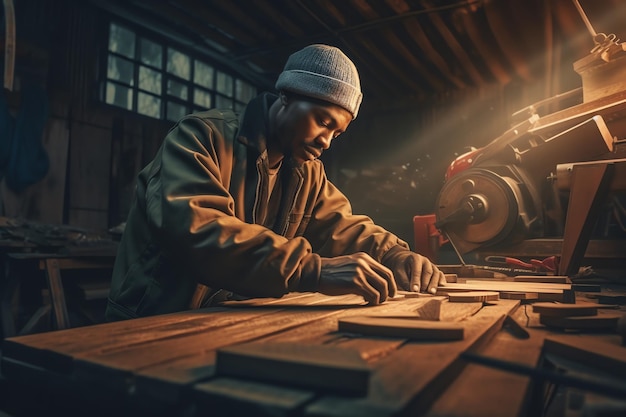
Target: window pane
[
  {"x": 149, "y": 105},
  {"x": 176, "y": 89},
  {"x": 243, "y": 91},
  {"x": 222, "y": 102},
  {"x": 203, "y": 74},
  {"x": 224, "y": 84},
  {"x": 178, "y": 63},
  {"x": 202, "y": 98},
  {"x": 150, "y": 80},
  {"x": 175, "y": 111},
  {"x": 120, "y": 69},
  {"x": 239, "y": 107},
  {"x": 151, "y": 53},
  {"x": 121, "y": 40},
  {"x": 119, "y": 95}
]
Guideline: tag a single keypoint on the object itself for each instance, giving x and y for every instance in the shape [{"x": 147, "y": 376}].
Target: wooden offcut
[
  {"x": 409, "y": 328},
  {"x": 519, "y": 295},
  {"x": 605, "y": 354},
  {"x": 565, "y": 310},
  {"x": 318, "y": 367},
  {"x": 474, "y": 296},
  {"x": 606, "y": 320},
  {"x": 544, "y": 291},
  {"x": 554, "y": 279}
]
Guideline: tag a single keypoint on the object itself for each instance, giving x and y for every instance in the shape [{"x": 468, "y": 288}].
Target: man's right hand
[{"x": 357, "y": 274}]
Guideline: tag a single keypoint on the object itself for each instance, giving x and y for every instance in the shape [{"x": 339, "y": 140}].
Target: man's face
[{"x": 306, "y": 128}]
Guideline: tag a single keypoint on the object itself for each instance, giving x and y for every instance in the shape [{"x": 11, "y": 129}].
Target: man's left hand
[{"x": 415, "y": 270}]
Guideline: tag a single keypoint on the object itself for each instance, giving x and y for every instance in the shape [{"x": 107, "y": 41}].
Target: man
[{"x": 245, "y": 207}]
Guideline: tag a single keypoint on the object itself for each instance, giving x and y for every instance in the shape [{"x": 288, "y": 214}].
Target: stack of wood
[
  {"x": 530, "y": 291},
  {"x": 578, "y": 316}
]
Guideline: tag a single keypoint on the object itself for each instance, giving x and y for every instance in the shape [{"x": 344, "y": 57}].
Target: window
[{"x": 159, "y": 80}]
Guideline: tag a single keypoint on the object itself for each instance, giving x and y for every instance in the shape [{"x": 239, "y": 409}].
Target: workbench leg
[
  {"x": 8, "y": 289},
  {"x": 57, "y": 294},
  {"x": 590, "y": 186},
  {"x": 35, "y": 320}
]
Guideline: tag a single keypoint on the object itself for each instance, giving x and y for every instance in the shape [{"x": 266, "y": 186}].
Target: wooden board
[
  {"x": 408, "y": 328},
  {"x": 169, "y": 378},
  {"x": 473, "y": 296},
  {"x": 482, "y": 391},
  {"x": 565, "y": 310},
  {"x": 606, "y": 354},
  {"x": 545, "y": 292},
  {"x": 604, "y": 320},
  {"x": 558, "y": 279},
  {"x": 519, "y": 295},
  {"x": 164, "y": 360},
  {"x": 326, "y": 367},
  {"x": 412, "y": 294},
  {"x": 409, "y": 380},
  {"x": 249, "y": 398},
  {"x": 502, "y": 285}
]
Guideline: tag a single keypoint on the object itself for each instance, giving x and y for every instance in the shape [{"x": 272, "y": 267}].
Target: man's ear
[{"x": 283, "y": 99}]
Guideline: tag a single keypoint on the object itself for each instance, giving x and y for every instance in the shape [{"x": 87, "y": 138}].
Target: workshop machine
[{"x": 522, "y": 194}]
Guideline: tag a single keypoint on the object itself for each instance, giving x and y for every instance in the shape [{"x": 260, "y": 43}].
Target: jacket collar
[{"x": 254, "y": 122}]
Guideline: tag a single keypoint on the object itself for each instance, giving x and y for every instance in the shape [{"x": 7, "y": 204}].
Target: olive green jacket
[{"x": 202, "y": 215}]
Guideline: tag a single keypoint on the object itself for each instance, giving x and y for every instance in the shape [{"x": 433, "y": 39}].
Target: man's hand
[
  {"x": 357, "y": 274},
  {"x": 414, "y": 271}
]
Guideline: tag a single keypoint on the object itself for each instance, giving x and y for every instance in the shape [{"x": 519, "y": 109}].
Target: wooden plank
[
  {"x": 409, "y": 379},
  {"x": 606, "y": 354},
  {"x": 168, "y": 380},
  {"x": 545, "y": 292},
  {"x": 89, "y": 174},
  {"x": 371, "y": 349},
  {"x": 554, "y": 279},
  {"x": 112, "y": 367},
  {"x": 128, "y": 332},
  {"x": 406, "y": 375},
  {"x": 250, "y": 398},
  {"x": 474, "y": 296},
  {"x": 57, "y": 294},
  {"x": 604, "y": 320},
  {"x": 519, "y": 295},
  {"x": 508, "y": 285},
  {"x": 565, "y": 310},
  {"x": 56, "y": 350},
  {"x": 480, "y": 391},
  {"x": 318, "y": 367},
  {"x": 407, "y": 328},
  {"x": 588, "y": 193}
]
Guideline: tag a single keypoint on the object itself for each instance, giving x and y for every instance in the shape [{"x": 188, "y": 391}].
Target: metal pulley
[{"x": 479, "y": 207}]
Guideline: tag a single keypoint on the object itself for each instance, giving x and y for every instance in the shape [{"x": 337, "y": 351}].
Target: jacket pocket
[{"x": 297, "y": 224}]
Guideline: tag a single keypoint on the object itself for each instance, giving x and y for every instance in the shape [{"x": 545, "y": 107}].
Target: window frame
[{"x": 166, "y": 99}]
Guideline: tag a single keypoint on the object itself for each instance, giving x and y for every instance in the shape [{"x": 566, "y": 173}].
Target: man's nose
[{"x": 325, "y": 139}]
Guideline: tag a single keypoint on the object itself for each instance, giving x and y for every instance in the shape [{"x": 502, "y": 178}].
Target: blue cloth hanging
[
  {"x": 29, "y": 161},
  {"x": 7, "y": 129}
]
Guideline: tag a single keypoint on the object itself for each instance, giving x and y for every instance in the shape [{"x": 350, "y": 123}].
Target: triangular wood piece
[
  {"x": 408, "y": 328},
  {"x": 320, "y": 367}
]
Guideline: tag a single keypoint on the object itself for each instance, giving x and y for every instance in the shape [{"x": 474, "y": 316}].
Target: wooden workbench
[{"x": 165, "y": 365}]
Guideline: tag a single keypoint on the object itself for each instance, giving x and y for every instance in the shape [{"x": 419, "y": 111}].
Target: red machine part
[{"x": 462, "y": 162}]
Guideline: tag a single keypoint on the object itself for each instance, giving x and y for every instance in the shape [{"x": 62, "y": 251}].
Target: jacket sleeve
[
  {"x": 334, "y": 230},
  {"x": 192, "y": 214}
]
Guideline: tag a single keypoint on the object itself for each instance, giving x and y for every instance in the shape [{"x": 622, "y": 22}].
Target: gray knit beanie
[{"x": 323, "y": 72}]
